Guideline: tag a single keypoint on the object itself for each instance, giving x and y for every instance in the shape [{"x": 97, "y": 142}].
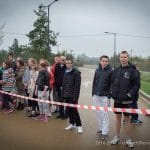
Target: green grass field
[{"x": 145, "y": 82}]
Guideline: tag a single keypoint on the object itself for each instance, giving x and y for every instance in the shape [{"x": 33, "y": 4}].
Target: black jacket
[
  {"x": 43, "y": 80},
  {"x": 59, "y": 74},
  {"x": 102, "y": 81},
  {"x": 71, "y": 85},
  {"x": 136, "y": 95},
  {"x": 125, "y": 84}
]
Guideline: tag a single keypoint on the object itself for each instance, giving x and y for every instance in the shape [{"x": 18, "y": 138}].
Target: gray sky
[{"x": 82, "y": 17}]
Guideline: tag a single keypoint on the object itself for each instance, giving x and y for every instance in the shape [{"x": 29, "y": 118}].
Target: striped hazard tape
[{"x": 88, "y": 107}]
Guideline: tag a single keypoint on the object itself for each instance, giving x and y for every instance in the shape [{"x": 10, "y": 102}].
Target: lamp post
[
  {"x": 48, "y": 6},
  {"x": 114, "y": 34}
]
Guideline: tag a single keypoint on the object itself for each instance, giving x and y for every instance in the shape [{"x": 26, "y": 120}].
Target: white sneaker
[
  {"x": 115, "y": 140},
  {"x": 129, "y": 143},
  {"x": 49, "y": 115},
  {"x": 70, "y": 127},
  {"x": 80, "y": 130}
]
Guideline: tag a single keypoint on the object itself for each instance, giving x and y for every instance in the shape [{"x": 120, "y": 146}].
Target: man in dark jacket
[
  {"x": 70, "y": 93},
  {"x": 58, "y": 76},
  {"x": 125, "y": 84},
  {"x": 101, "y": 93}
]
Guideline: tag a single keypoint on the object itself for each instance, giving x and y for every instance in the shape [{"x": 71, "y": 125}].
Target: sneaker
[
  {"x": 104, "y": 137},
  {"x": 99, "y": 132},
  {"x": 80, "y": 130},
  {"x": 40, "y": 117},
  {"x": 129, "y": 143},
  {"x": 64, "y": 117},
  {"x": 49, "y": 115},
  {"x": 136, "y": 122},
  {"x": 55, "y": 112},
  {"x": 45, "y": 119},
  {"x": 115, "y": 140},
  {"x": 9, "y": 111},
  {"x": 59, "y": 116},
  {"x": 70, "y": 127}
]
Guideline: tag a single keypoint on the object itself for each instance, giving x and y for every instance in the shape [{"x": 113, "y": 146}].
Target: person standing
[
  {"x": 58, "y": 76},
  {"x": 70, "y": 93},
  {"x": 42, "y": 91},
  {"x": 26, "y": 81},
  {"x": 31, "y": 91},
  {"x": 19, "y": 83},
  {"x": 125, "y": 84},
  {"x": 55, "y": 94},
  {"x": 7, "y": 82},
  {"x": 101, "y": 92}
]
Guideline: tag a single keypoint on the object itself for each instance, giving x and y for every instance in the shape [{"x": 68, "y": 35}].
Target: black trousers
[
  {"x": 73, "y": 113},
  {"x": 34, "y": 104},
  {"x": 134, "y": 105},
  {"x": 6, "y": 100},
  {"x": 61, "y": 108}
]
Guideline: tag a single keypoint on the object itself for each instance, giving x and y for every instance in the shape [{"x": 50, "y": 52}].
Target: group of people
[
  {"x": 37, "y": 81},
  {"x": 122, "y": 84}
]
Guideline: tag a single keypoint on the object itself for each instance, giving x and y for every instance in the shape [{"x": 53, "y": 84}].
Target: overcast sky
[{"x": 82, "y": 17}]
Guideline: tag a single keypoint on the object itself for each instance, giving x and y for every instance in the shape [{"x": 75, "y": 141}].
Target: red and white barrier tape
[{"x": 88, "y": 107}]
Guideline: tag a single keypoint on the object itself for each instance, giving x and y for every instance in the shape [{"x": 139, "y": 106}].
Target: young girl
[
  {"x": 31, "y": 90},
  {"x": 42, "y": 90},
  {"x": 19, "y": 84},
  {"x": 7, "y": 82}
]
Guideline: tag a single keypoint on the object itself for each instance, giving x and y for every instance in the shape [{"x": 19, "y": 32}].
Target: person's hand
[
  {"x": 43, "y": 94},
  {"x": 36, "y": 93}
]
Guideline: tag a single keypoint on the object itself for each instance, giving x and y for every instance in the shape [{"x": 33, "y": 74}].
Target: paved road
[{"x": 18, "y": 132}]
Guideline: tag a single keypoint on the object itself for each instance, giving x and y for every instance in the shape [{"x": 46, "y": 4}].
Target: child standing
[
  {"x": 7, "y": 82},
  {"x": 42, "y": 90}
]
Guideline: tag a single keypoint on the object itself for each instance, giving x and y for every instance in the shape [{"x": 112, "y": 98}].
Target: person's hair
[
  {"x": 33, "y": 61},
  {"x": 19, "y": 58},
  {"x": 63, "y": 57},
  {"x": 10, "y": 54},
  {"x": 43, "y": 65},
  {"x": 8, "y": 63},
  {"x": 42, "y": 60},
  {"x": 57, "y": 55},
  {"x": 69, "y": 59},
  {"x": 124, "y": 52},
  {"x": 21, "y": 62},
  {"x": 104, "y": 56}
]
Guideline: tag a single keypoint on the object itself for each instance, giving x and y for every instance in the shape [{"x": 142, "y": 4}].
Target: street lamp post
[
  {"x": 48, "y": 6},
  {"x": 114, "y": 34}
]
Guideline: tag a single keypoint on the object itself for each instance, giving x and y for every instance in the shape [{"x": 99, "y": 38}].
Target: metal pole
[
  {"x": 114, "y": 50},
  {"x": 48, "y": 30}
]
